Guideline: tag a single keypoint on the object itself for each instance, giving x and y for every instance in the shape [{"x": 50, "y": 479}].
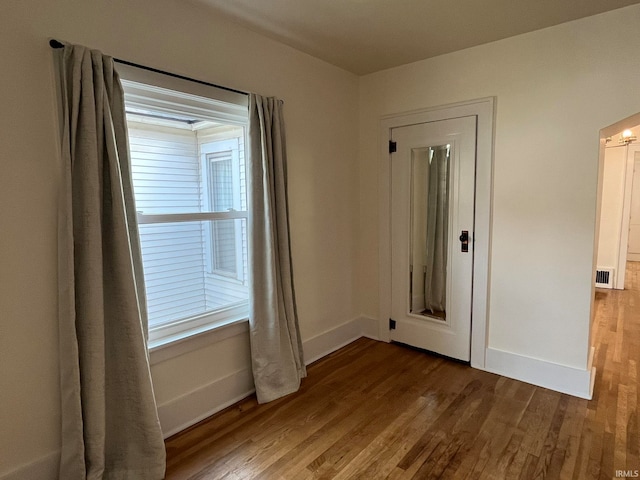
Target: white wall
[
  {"x": 321, "y": 116},
  {"x": 555, "y": 89}
]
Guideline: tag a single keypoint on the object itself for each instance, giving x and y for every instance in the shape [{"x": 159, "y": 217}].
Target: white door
[
  {"x": 432, "y": 221},
  {"x": 633, "y": 250}
]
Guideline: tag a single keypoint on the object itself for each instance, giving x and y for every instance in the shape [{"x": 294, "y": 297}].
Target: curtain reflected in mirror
[{"x": 430, "y": 168}]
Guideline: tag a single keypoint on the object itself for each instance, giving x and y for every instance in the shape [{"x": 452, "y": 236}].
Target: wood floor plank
[
  {"x": 382, "y": 411},
  {"x": 389, "y": 459},
  {"x": 376, "y": 453},
  {"x": 551, "y": 441}
]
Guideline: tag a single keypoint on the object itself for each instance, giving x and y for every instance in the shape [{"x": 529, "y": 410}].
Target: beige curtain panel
[
  {"x": 110, "y": 427},
  {"x": 276, "y": 348}
]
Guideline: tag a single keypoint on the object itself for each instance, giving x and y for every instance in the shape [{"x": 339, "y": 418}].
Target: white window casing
[{"x": 187, "y": 154}]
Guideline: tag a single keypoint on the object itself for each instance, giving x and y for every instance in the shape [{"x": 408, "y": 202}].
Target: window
[
  {"x": 188, "y": 170},
  {"x": 223, "y": 161}
]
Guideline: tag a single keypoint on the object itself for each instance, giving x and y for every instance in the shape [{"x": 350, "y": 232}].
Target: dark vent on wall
[{"x": 604, "y": 278}]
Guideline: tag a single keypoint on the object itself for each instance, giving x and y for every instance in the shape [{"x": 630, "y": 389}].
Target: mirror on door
[{"x": 430, "y": 168}]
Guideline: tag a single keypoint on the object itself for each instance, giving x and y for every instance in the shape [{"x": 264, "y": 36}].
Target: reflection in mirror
[{"x": 429, "y": 230}]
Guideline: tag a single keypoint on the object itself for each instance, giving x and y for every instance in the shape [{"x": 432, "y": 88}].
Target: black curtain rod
[{"x": 56, "y": 44}]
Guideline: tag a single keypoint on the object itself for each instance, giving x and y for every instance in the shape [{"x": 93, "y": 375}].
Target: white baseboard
[
  {"x": 370, "y": 327},
  {"x": 45, "y": 468},
  {"x": 192, "y": 407},
  {"x": 331, "y": 340},
  {"x": 569, "y": 380}
]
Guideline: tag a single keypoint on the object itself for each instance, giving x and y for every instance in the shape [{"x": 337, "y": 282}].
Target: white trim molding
[
  {"x": 160, "y": 352},
  {"x": 369, "y": 327},
  {"x": 625, "y": 221},
  {"x": 335, "y": 338},
  {"x": 484, "y": 110},
  {"x": 561, "y": 378},
  {"x": 193, "y": 407}
]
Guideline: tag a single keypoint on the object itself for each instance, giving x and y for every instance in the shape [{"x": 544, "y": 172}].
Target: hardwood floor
[{"x": 375, "y": 411}]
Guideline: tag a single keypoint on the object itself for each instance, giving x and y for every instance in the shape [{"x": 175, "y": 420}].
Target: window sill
[{"x": 169, "y": 347}]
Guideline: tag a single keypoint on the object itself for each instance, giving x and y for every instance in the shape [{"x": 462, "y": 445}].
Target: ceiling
[{"x": 365, "y": 36}]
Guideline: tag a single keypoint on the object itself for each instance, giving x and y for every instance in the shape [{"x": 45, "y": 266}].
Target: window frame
[
  {"x": 206, "y": 150},
  {"x": 147, "y": 89}
]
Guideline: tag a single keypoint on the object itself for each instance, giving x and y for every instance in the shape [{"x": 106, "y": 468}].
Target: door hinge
[
  {"x": 393, "y": 146},
  {"x": 392, "y": 324}
]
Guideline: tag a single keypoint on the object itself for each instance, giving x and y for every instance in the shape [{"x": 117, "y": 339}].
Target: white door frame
[
  {"x": 626, "y": 214},
  {"x": 484, "y": 109}
]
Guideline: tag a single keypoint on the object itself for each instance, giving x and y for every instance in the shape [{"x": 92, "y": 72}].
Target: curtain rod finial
[{"x": 53, "y": 43}]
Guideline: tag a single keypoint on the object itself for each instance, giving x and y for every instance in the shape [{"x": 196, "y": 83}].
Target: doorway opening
[
  {"x": 618, "y": 225},
  {"x": 618, "y": 198}
]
